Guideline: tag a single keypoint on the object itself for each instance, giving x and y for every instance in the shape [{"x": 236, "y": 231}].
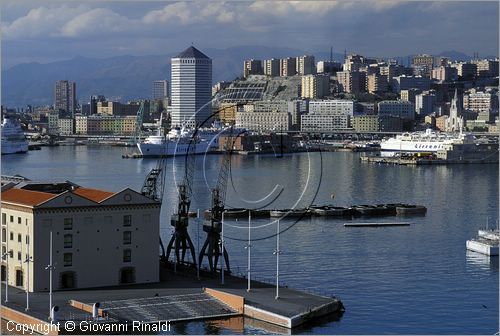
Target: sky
[{"x": 45, "y": 31}]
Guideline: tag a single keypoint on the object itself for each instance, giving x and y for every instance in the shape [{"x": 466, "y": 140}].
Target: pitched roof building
[{"x": 100, "y": 238}]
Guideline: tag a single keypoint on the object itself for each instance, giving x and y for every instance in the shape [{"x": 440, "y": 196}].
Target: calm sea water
[{"x": 394, "y": 280}]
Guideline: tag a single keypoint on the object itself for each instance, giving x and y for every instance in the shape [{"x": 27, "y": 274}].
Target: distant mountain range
[{"x": 131, "y": 77}]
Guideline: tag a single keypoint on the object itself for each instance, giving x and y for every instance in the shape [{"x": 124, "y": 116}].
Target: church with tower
[{"x": 455, "y": 121}]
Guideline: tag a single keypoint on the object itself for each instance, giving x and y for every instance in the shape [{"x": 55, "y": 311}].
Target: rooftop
[
  {"x": 192, "y": 52},
  {"x": 26, "y": 197},
  {"x": 95, "y": 195}
]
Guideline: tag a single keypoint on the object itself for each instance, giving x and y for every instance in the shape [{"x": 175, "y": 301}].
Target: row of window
[
  {"x": 11, "y": 219},
  {"x": 68, "y": 238},
  {"x": 68, "y": 222},
  {"x": 68, "y": 257},
  {"x": 19, "y": 237}
]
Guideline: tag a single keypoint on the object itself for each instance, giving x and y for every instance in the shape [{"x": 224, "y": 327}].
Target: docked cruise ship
[
  {"x": 177, "y": 142},
  {"x": 13, "y": 139},
  {"x": 428, "y": 141}
]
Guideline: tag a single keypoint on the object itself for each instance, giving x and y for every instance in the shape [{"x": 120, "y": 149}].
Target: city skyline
[{"x": 50, "y": 30}]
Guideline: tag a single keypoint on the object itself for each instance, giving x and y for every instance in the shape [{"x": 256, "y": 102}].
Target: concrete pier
[{"x": 179, "y": 297}]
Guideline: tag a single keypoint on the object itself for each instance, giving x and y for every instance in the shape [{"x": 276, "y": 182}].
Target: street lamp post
[
  {"x": 248, "y": 248},
  {"x": 50, "y": 267},
  {"x": 6, "y": 257},
  {"x": 198, "y": 244},
  {"x": 277, "y": 252},
  {"x": 28, "y": 260},
  {"x": 222, "y": 249}
]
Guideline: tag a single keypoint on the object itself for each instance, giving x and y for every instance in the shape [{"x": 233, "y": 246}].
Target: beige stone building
[
  {"x": 377, "y": 83},
  {"x": 100, "y": 238},
  {"x": 264, "y": 121}
]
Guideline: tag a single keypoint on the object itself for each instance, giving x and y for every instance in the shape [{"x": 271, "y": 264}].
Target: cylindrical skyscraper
[{"x": 191, "y": 88}]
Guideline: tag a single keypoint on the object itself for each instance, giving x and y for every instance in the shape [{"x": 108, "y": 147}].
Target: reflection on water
[
  {"x": 403, "y": 280},
  {"x": 481, "y": 261}
]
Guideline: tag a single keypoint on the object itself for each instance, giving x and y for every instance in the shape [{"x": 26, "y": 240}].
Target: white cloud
[
  {"x": 287, "y": 8},
  {"x": 97, "y": 21},
  {"x": 42, "y": 21},
  {"x": 179, "y": 11}
]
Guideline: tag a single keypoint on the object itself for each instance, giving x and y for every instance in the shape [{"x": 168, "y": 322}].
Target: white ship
[
  {"x": 177, "y": 142},
  {"x": 13, "y": 139},
  {"x": 428, "y": 141}
]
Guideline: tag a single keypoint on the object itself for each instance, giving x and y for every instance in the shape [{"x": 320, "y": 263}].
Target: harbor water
[{"x": 416, "y": 279}]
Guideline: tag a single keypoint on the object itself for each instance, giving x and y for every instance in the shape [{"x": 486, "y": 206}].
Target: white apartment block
[
  {"x": 65, "y": 126},
  {"x": 335, "y": 106},
  {"x": 100, "y": 238},
  {"x": 264, "y": 121},
  {"x": 481, "y": 101}
]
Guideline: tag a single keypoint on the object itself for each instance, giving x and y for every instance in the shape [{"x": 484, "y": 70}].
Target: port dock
[{"x": 179, "y": 297}]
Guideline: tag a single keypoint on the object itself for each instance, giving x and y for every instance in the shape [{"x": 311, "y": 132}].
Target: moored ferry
[{"x": 428, "y": 141}]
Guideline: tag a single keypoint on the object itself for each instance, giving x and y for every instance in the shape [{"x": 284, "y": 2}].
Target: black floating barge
[{"x": 364, "y": 210}]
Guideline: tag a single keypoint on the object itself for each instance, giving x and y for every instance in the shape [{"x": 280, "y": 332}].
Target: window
[
  {"x": 12, "y": 236},
  {"x": 27, "y": 240},
  {"x": 4, "y": 250},
  {"x": 127, "y": 255},
  {"x": 68, "y": 259},
  {"x": 127, "y": 220},
  {"x": 4, "y": 219},
  {"x": 68, "y": 241},
  {"x": 11, "y": 253},
  {"x": 11, "y": 219},
  {"x": 68, "y": 223},
  {"x": 19, "y": 238},
  {"x": 18, "y": 255},
  {"x": 127, "y": 237},
  {"x": 4, "y": 236},
  {"x": 18, "y": 220}
]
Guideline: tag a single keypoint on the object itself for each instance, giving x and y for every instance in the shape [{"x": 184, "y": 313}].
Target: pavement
[{"x": 183, "y": 284}]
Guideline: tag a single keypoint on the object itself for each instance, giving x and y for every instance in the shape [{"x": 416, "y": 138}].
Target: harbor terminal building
[{"x": 99, "y": 238}]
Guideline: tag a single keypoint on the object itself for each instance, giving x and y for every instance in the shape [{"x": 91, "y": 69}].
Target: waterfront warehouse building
[
  {"x": 100, "y": 238},
  {"x": 191, "y": 88}
]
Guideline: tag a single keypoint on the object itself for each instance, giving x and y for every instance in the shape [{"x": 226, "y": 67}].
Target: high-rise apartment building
[
  {"x": 160, "y": 89},
  {"x": 377, "y": 83},
  {"x": 65, "y": 97},
  {"x": 445, "y": 74},
  {"x": 351, "y": 82},
  {"x": 288, "y": 66},
  {"x": 306, "y": 65},
  {"x": 272, "y": 67},
  {"x": 315, "y": 86},
  {"x": 252, "y": 67},
  {"x": 424, "y": 103},
  {"x": 191, "y": 88}
]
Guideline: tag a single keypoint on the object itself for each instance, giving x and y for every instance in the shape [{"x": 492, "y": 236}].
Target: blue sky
[{"x": 45, "y": 31}]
